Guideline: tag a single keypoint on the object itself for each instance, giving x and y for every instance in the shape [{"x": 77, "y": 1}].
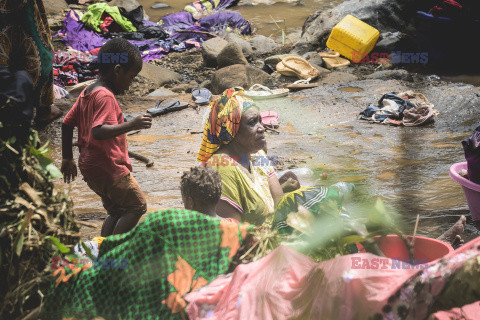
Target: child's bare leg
[
  {"x": 126, "y": 222},
  {"x": 109, "y": 225}
]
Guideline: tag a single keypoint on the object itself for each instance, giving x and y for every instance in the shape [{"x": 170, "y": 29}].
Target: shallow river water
[
  {"x": 406, "y": 167},
  {"x": 268, "y": 17}
]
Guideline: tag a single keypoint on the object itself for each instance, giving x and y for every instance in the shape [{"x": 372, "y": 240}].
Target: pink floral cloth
[{"x": 288, "y": 285}]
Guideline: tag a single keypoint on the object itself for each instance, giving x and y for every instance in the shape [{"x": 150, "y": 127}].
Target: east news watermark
[
  {"x": 388, "y": 263},
  {"x": 112, "y": 57},
  {"x": 394, "y": 57}
]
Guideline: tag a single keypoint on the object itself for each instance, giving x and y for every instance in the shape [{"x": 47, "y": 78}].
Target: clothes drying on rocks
[
  {"x": 175, "y": 32},
  {"x": 98, "y": 12},
  {"x": 205, "y": 6},
  {"x": 406, "y": 108},
  {"x": 71, "y": 67},
  {"x": 471, "y": 147}
]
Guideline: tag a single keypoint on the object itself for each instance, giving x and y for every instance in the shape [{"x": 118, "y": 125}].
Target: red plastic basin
[{"x": 425, "y": 249}]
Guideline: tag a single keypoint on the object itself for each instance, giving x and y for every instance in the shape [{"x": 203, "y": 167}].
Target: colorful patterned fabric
[
  {"x": 95, "y": 14},
  {"x": 223, "y": 121},
  {"x": 144, "y": 273},
  {"x": 312, "y": 198},
  {"x": 25, "y": 44},
  {"x": 450, "y": 282},
  {"x": 288, "y": 285}
]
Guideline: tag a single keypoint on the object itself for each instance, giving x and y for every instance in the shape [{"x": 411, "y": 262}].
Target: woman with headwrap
[{"x": 232, "y": 143}]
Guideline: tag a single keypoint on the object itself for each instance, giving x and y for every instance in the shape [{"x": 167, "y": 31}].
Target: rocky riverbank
[{"x": 408, "y": 167}]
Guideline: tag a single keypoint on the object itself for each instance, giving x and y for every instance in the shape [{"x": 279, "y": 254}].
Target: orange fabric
[
  {"x": 230, "y": 235},
  {"x": 198, "y": 283},
  {"x": 181, "y": 279}
]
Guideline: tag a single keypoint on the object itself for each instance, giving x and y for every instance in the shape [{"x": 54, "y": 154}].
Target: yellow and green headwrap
[{"x": 223, "y": 121}]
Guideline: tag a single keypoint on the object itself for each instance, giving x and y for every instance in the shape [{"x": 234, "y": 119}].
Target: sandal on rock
[
  {"x": 260, "y": 92},
  {"x": 302, "y": 84},
  {"x": 334, "y": 60},
  {"x": 329, "y": 54},
  {"x": 201, "y": 95},
  {"x": 167, "y": 105},
  {"x": 302, "y": 68},
  {"x": 269, "y": 119},
  {"x": 284, "y": 70}
]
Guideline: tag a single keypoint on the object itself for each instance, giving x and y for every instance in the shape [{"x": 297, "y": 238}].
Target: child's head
[
  {"x": 201, "y": 189},
  {"x": 119, "y": 62}
]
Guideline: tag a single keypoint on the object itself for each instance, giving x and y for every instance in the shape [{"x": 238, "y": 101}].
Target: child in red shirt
[{"x": 103, "y": 160}]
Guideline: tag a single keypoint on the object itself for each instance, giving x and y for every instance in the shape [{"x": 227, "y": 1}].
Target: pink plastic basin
[
  {"x": 470, "y": 189},
  {"x": 425, "y": 249}
]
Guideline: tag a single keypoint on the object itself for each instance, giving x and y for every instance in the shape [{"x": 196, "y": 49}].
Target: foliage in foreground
[
  {"x": 331, "y": 234},
  {"x": 30, "y": 210}
]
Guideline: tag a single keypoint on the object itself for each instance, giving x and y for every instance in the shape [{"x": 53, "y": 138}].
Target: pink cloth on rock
[
  {"x": 468, "y": 312},
  {"x": 288, "y": 285}
]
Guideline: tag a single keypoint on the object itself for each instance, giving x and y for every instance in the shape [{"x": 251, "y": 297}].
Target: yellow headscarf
[{"x": 223, "y": 121}]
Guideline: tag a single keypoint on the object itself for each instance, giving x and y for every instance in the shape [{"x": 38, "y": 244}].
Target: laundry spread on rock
[{"x": 407, "y": 108}]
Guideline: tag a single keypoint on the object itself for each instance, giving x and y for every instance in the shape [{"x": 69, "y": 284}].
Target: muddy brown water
[
  {"x": 406, "y": 167},
  {"x": 268, "y": 17}
]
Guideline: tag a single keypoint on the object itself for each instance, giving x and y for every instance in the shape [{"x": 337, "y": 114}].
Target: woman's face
[{"x": 251, "y": 134}]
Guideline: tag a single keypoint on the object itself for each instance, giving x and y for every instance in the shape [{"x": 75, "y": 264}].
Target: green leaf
[
  {"x": 53, "y": 171},
  {"x": 88, "y": 251},
  {"x": 352, "y": 239},
  {"x": 44, "y": 147},
  {"x": 18, "y": 248},
  {"x": 46, "y": 164},
  {"x": 58, "y": 245}
]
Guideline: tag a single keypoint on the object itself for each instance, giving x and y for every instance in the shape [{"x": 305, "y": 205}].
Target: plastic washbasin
[
  {"x": 470, "y": 189},
  {"x": 425, "y": 249}
]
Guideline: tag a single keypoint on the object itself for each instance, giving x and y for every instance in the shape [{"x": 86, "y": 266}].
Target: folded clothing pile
[
  {"x": 407, "y": 108},
  {"x": 471, "y": 147}
]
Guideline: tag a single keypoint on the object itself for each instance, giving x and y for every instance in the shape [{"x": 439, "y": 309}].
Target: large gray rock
[
  {"x": 390, "y": 74},
  {"x": 161, "y": 92},
  {"x": 272, "y": 61},
  {"x": 210, "y": 50},
  {"x": 384, "y": 15},
  {"x": 238, "y": 75},
  {"x": 55, "y": 6},
  {"x": 129, "y": 5},
  {"x": 230, "y": 55},
  {"x": 262, "y": 44},
  {"x": 313, "y": 57},
  {"x": 336, "y": 77},
  {"x": 159, "y": 75},
  {"x": 244, "y": 44}
]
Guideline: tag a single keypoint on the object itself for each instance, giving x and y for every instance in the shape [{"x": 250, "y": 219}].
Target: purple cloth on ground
[
  {"x": 471, "y": 146},
  {"x": 78, "y": 36},
  {"x": 224, "y": 4},
  {"x": 194, "y": 36},
  {"x": 218, "y": 22},
  {"x": 177, "y": 21}
]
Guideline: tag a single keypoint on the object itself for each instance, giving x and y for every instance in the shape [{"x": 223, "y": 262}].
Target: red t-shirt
[{"x": 99, "y": 159}]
